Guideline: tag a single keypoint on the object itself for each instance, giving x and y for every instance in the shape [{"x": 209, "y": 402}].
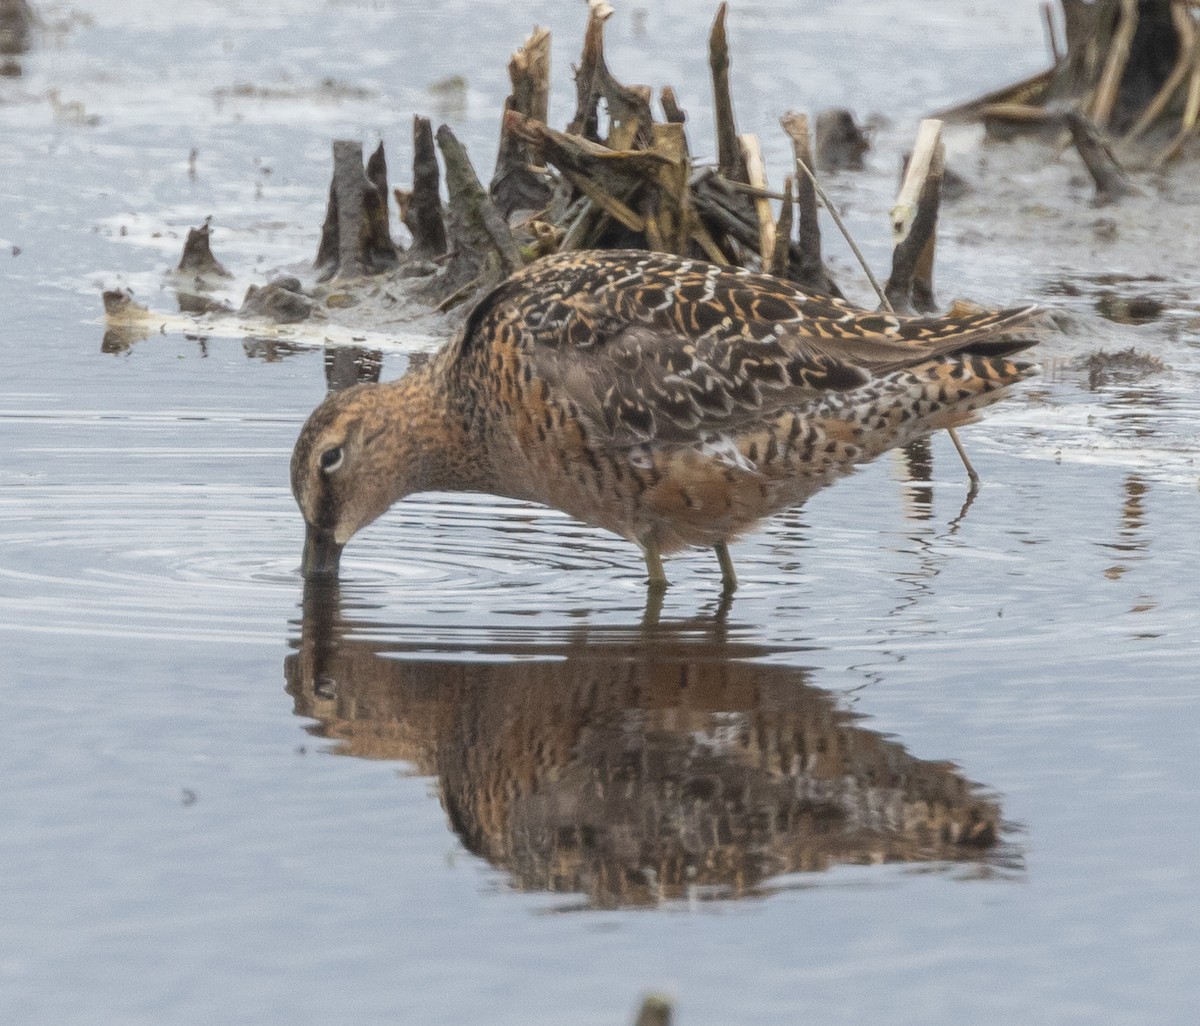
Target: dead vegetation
[
  {"x": 619, "y": 175},
  {"x": 1123, "y": 88}
]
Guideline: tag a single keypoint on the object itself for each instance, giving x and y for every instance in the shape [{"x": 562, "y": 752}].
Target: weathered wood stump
[
  {"x": 914, "y": 224},
  {"x": 421, "y": 208},
  {"x": 197, "y": 257},
  {"x": 355, "y": 239},
  {"x": 516, "y": 184}
]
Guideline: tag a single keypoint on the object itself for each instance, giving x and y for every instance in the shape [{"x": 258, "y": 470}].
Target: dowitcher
[{"x": 671, "y": 401}]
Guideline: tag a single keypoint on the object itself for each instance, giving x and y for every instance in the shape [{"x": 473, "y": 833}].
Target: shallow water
[{"x": 932, "y": 765}]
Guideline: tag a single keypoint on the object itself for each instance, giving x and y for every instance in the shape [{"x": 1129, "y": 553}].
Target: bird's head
[{"x": 351, "y": 462}]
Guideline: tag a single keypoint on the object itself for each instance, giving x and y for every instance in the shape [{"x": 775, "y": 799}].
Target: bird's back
[{"x": 677, "y": 402}]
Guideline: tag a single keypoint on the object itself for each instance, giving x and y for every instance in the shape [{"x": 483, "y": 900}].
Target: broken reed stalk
[
  {"x": 628, "y": 107},
  {"x": 729, "y": 155},
  {"x": 516, "y": 185},
  {"x": 667, "y": 208},
  {"x": 780, "y": 255},
  {"x": 810, "y": 270},
  {"x": 756, "y": 176},
  {"x": 837, "y": 220},
  {"x": 1051, "y": 33},
  {"x": 914, "y": 223},
  {"x": 914, "y": 235},
  {"x": 671, "y": 109},
  {"x": 1105, "y": 99},
  {"x": 421, "y": 209}
]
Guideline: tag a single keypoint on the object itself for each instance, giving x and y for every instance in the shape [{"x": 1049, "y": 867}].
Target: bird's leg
[
  {"x": 972, "y": 473},
  {"x": 656, "y": 580},
  {"x": 728, "y": 574}
]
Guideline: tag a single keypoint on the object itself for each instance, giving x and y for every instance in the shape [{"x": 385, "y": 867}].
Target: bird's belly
[{"x": 670, "y": 500}]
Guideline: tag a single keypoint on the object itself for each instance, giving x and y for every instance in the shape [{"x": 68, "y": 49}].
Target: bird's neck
[{"x": 436, "y": 432}]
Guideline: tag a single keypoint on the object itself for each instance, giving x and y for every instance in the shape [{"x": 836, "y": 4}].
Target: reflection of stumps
[
  {"x": 355, "y": 239},
  {"x": 914, "y": 224},
  {"x": 351, "y": 365}
]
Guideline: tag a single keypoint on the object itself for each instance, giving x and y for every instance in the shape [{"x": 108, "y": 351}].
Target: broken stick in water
[
  {"x": 729, "y": 155},
  {"x": 914, "y": 223},
  {"x": 516, "y": 184},
  {"x": 1112, "y": 181},
  {"x": 809, "y": 270},
  {"x": 780, "y": 258},
  {"x": 756, "y": 176},
  {"x": 914, "y": 238}
]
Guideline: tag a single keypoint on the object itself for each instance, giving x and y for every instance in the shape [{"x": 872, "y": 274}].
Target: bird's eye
[{"x": 331, "y": 459}]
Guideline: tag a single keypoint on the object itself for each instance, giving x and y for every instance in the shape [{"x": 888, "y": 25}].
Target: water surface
[{"x": 932, "y": 765}]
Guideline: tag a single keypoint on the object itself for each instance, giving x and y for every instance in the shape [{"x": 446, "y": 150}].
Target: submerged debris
[
  {"x": 1129, "y": 309},
  {"x": 1125, "y": 365},
  {"x": 841, "y": 143},
  {"x": 282, "y": 301},
  {"x": 656, "y": 1010}
]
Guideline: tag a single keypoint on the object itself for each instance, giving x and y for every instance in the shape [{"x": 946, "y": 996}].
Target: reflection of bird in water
[
  {"x": 671, "y": 401},
  {"x": 633, "y": 767}
]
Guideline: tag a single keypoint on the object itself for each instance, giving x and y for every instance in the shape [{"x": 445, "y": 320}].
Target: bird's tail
[{"x": 907, "y": 404}]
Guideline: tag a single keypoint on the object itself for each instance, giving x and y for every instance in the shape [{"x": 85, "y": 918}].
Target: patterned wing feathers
[{"x": 654, "y": 347}]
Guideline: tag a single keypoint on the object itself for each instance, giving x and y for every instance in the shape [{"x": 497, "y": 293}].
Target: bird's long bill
[{"x": 322, "y": 554}]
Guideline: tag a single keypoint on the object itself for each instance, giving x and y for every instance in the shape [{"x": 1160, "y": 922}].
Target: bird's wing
[{"x": 651, "y": 347}]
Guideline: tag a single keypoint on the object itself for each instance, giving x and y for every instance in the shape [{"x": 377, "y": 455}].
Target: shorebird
[{"x": 671, "y": 401}]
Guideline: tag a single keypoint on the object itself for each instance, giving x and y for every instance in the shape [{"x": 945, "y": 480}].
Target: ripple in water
[{"x": 172, "y": 560}]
